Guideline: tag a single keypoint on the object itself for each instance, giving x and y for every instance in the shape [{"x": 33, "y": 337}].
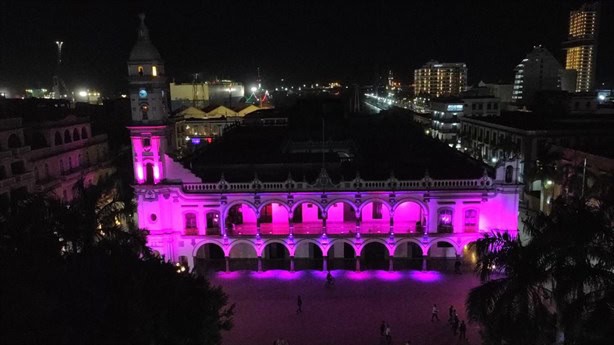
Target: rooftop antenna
[{"x": 56, "y": 78}]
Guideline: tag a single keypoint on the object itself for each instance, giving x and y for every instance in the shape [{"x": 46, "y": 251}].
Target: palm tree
[
  {"x": 558, "y": 282},
  {"x": 512, "y": 302}
]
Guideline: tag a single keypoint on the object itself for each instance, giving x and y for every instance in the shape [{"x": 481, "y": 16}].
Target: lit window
[
  {"x": 471, "y": 220},
  {"x": 154, "y": 71},
  {"x": 140, "y": 70}
]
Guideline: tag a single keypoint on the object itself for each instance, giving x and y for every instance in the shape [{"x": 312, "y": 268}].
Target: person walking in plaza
[
  {"x": 382, "y": 328},
  {"x": 463, "y": 329},
  {"x": 451, "y": 312},
  {"x": 457, "y": 267},
  {"x": 435, "y": 313},
  {"x": 299, "y": 303},
  {"x": 455, "y": 324},
  {"x": 387, "y": 334}
]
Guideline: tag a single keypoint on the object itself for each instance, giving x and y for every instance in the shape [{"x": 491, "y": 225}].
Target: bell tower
[{"x": 149, "y": 100}]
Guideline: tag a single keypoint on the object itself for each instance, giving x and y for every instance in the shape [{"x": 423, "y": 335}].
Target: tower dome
[{"x": 144, "y": 50}]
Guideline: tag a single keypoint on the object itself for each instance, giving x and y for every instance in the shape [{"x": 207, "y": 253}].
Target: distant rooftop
[
  {"x": 381, "y": 146},
  {"x": 536, "y": 121}
]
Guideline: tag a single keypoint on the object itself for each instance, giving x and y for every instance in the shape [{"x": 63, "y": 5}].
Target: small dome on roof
[{"x": 144, "y": 49}]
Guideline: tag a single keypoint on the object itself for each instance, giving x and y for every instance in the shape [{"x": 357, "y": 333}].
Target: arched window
[
  {"x": 75, "y": 134},
  {"x": 140, "y": 70},
  {"x": 444, "y": 220},
  {"x": 149, "y": 178},
  {"x": 58, "y": 138},
  {"x": 154, "y": 71},
  {"x": 509, "y": 174},
  {"x": 83, "y": 133},
  {"x": 14, "y": 141},
  {"x": 471, "y": 220},
  {"x": 144, "y": 111},
  {"x": 213, "y": 223},
  {"x": 67, "y": 138},
  {"x": 190, "y": 224}
]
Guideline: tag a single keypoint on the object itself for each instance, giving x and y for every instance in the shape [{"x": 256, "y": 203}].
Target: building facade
[
  {"x": 446, "y": 114},
  {"x": 50, "y": 156},
  {"x": 440, "y": 79},
  {"x": 189, "y": 220},
  {"x": 581, "y": 45},
  {"x": 539, "y": 71}
]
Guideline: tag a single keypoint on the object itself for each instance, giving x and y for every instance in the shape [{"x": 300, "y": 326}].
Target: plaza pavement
[{"x": 348, "y": 313}]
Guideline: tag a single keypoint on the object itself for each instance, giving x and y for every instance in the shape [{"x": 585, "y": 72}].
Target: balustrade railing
[{"x": 355, "y": 185}]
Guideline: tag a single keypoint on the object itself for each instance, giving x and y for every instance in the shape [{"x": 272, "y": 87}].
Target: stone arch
[
  {"x": 209, "y": 256},
  {"x": 406, "y": 220},
  {"x": 367, "y": 201},
  {"x": 341, "y": 220},
  {"x": 276, "y": 201},
  {"x": 434, "y": 242},
  {"x": 75, "y": 135},
  {"x": 83, "y": 133},
  {"x": 14, "y": 141},
  {"x": 237, "y": 202},
  {"x": 345, "y": 200},
  {"x": 375, "y": 240},
  {"x": 275, "y": 254},
  {"x": 240, "y": 221},
  {"x": 308, "y": 220},
  {"x": 422, "y": 204},
  {"x": 67, "y": 137},
  {"x": 374, "y": 220},
  {"x": 201, "y": 243},
  {"x": 274, "y": 216},
  {"x": 307, "y": 241},
  {"x": 260, "y": 250},
  {"x": 228, "y": 248},
  {"x": 374, "y": 254},
  {"x": 310, "y": 201},
  {"x": 308, "y": 254},
  {"x": 341, "y": 240},
  {"x": 411, "y": 240},
  {"x": 58, "y": 139}
]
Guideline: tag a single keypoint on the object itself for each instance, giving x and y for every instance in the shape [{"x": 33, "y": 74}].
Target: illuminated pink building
[{"x": 190, "y": 220}]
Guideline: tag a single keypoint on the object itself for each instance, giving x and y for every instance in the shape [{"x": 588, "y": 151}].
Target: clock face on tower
[{"x": 143, "y": 93}]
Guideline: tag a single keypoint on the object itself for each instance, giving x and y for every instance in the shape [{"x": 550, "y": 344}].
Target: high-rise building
[
  {"x": 581, "y": 45},
  {"x": 440, "y": 79},
  {"x": 539, "y": 71}
]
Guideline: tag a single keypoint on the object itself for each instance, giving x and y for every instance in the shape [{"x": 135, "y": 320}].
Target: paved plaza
[{"x": 350, "y": 312}]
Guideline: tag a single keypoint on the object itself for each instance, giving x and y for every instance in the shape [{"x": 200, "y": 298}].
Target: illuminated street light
[
  {"x": 254, "y": 89},
  {"x": 494, "y": 160},
  {"x": 82, "y": 93}
]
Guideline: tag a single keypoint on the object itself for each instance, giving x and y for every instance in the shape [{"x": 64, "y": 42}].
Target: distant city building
[
  {"x": 47, "y": 151},
  {"x": 479, "y": 101},
  {"x": 446, "y": 113},
  {"x": 203, "y": 94},
  {"x": 539, "y": 71},
  {"x": 440, "y": 79},
  {"x": 581, "y": 45}
]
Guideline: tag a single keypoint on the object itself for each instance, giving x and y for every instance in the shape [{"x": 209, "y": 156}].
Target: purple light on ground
[
  {"x": 229, "y": 275},
  {"x": 388, "y": 276},
  {"x": 195, "y": 141},
  {"x": 277, "y": 274},
  {"x": 425, "y": 276},
  {"x": 351, "y": 275}
]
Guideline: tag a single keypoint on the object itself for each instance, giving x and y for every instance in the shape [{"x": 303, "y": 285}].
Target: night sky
[{"x": 301, "y": 42}]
